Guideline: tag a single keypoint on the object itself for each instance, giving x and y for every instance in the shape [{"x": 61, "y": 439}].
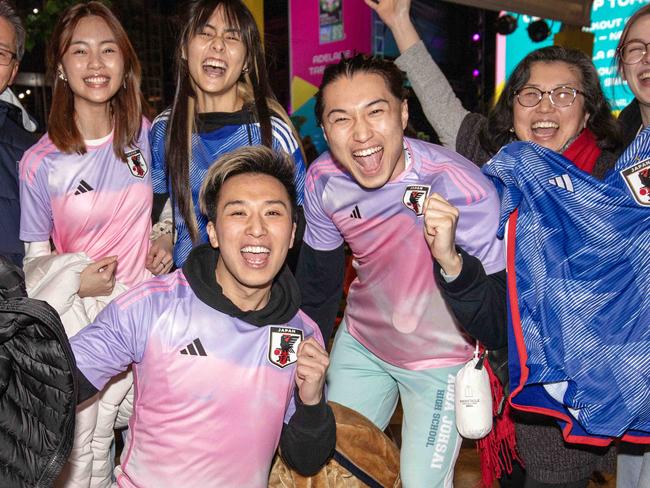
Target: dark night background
[{"x": 446, "y": 28}]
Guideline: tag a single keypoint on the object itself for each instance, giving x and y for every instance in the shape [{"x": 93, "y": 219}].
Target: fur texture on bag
[{"x": 364, "y": 457}]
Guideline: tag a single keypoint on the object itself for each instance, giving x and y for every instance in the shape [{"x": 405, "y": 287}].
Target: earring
[
  {"x": 244, "y": 69},
  {"x": 62, "y": 76},
  {"x": 512, "y": 129},
  {"x": 124, "y": 83}
]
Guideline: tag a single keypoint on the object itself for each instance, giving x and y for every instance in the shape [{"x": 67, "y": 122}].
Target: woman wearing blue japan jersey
[{"x": 222, "y": 101}]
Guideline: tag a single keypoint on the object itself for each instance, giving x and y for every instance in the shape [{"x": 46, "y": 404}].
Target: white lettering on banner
[
  {"x": 320, "y": 61},
  {"x": 607, "y": 70},
  {"x": 316, "y": 70},
  {"x": 326, "y": 58},
  {"x": 613, "y": 82},
  {"x": 616, "y": 3},
  {"x": 607, "y": 24}
]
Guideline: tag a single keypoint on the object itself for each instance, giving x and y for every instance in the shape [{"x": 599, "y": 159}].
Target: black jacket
[
  {"x": 37, "y": 387},
  {"x": 14, "y": 141},
  {"x": 631, "y": 122}
]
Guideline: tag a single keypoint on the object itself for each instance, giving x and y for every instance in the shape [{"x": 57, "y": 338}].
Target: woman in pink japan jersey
[{"x": 86, "y": 187}]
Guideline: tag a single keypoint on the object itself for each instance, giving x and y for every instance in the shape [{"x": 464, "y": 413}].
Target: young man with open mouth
[
  {"x": 226, "y": 366},
  {"x": 385, "y": 195}
]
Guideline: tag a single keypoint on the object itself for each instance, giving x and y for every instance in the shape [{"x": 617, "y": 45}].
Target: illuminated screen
[{"x": 608, "y": 18}]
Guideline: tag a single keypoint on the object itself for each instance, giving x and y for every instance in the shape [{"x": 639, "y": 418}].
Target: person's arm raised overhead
[{"x": 443, "y": 109}]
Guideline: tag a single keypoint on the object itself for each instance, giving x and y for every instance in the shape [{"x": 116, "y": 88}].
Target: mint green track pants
[{"x": 430, "y": 442}]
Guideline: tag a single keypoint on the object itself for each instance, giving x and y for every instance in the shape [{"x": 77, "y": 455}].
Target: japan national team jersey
[
  {"x": 394, "y": 307},
  {"x": 578, "y": 288},
  {"x": 92, "y": 203},
  {"x": 211, "y": 391}
]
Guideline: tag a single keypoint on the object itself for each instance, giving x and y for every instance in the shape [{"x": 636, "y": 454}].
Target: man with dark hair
[
  {"x": 386, "y": 196},
  {"x": 225, "y": 364},
  {"x": 16, "y": 128}
]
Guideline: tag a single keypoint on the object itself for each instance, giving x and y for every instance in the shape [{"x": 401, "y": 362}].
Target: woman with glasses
[
  {"x": 633, "y": 62},
  {"x": 552, "y": 98}
]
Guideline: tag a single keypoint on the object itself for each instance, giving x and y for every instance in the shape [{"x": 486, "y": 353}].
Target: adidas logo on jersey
[
  {"x": 83, "y": 188},
  {"x": 563, "y": 182},
  {"x": 194, "y": 348},
  {"x": 355, "y": 213}
]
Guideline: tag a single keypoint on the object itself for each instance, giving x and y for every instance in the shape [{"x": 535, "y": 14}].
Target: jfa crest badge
[
  {"x": 136, "y": 163},
  {"x": 415, "y": 196},
  {"x": 637, "y": 178},
  {"x": 283, "y": 345}
]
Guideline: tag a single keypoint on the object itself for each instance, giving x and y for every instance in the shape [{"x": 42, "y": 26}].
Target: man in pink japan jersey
[
  {"x": 226, "y": 366},
  {"x": 382, "y": 194}
]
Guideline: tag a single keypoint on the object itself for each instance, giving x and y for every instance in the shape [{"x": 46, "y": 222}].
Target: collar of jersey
[
  {"x": 213, "y": 121},
  {"x": 283, "y": 304}
]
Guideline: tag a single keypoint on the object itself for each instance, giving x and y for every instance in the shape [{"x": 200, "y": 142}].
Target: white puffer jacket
[{"x": 55, "y": 279}]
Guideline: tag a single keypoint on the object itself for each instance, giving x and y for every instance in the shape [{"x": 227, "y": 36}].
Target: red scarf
[
  {"x": 498, "y": 449},
  {"x": 584, "y": 151}
]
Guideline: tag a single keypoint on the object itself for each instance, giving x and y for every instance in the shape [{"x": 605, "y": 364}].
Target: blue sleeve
[
  {"x": 284, "y": 140},
  {"x": 300, "y": 176},
  {"x": 157, "y": 140}
]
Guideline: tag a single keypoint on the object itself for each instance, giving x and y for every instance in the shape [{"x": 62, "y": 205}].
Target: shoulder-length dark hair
[
  {"x": 253, "y": 87},
  {"x": 497, "y": 131},
  {"x": 126, "y": 104},
  {"x": 645, "y": 10}
]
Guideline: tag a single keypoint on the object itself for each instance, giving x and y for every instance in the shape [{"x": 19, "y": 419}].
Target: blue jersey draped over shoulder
[{"x": 579, "y": 300}]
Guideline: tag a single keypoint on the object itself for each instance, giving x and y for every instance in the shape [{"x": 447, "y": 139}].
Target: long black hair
[
  {"x": 497, "y": 132},
  {"x": 253, "y": 87}
]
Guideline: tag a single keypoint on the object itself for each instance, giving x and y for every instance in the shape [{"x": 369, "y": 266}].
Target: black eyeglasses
[
  {"x": 6, "y": 57},
  {"x": 632, "y": 52},
  {"x": 562, "y": 96}
]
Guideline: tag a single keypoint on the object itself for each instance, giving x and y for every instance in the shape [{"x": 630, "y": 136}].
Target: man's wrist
[
  {"x": 312, "y": 400},
  {"x": 405, "y": 34},
  {"x": 451, "y": 267}
]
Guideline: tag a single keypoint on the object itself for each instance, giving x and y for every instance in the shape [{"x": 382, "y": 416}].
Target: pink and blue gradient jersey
[
  {"x": 212, "y": 390},
  {"x": 394, "y": 307},
  {"x": 92, "y": 203}
]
